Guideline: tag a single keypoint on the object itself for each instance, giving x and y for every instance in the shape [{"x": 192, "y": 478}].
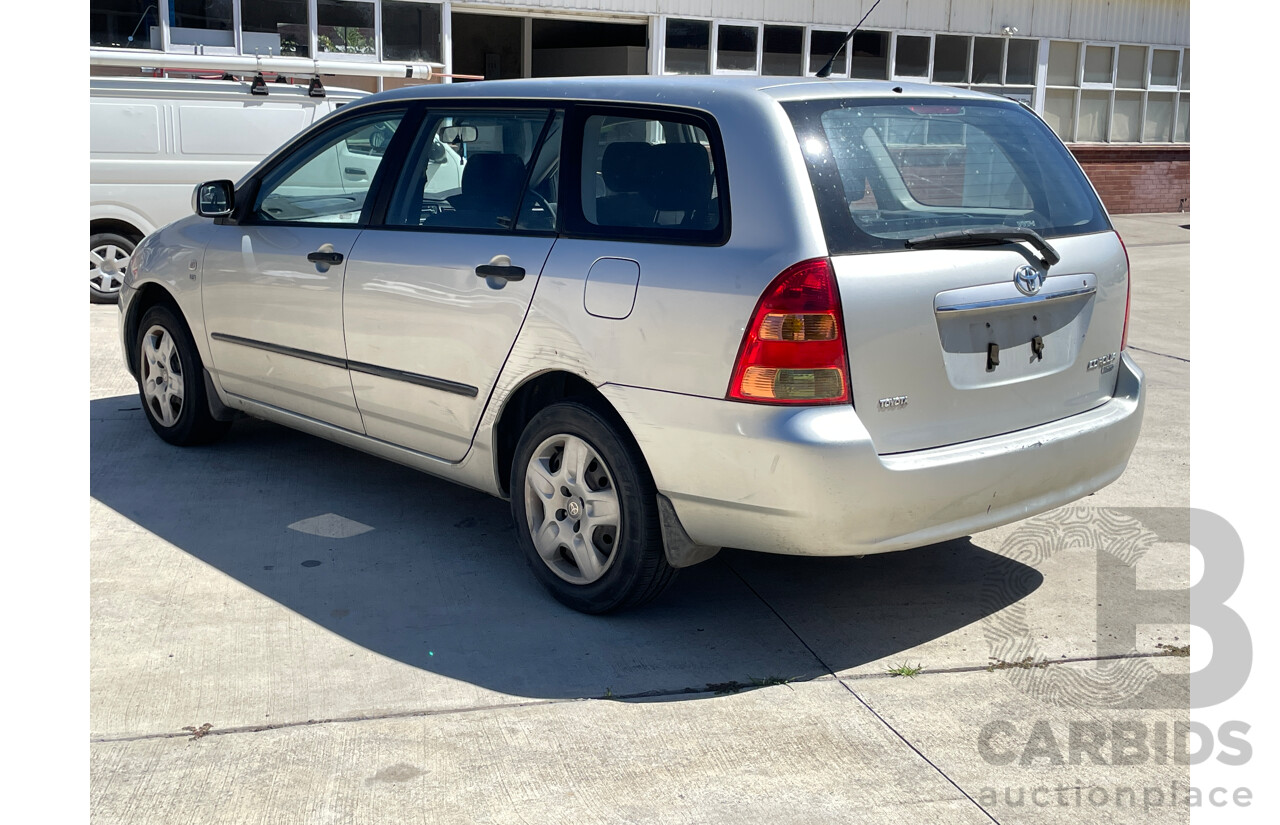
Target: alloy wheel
[
  {"x": 572, "y": 508},
  {"x": 162, "y": 378}
]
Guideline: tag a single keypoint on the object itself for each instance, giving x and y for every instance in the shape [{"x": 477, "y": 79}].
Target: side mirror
[{"x": 214, "y": 199}]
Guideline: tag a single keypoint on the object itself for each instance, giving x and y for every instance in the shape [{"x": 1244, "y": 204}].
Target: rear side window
[
  {"x": 885, "y": 173},
  {"x": 650, "y": 178}
]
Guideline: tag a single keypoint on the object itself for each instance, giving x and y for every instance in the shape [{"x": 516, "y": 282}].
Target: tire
[
  {"x": 108, "y": 258},
  {"x": 171, "y": 381},
  {"x": 586, "y": 513}
]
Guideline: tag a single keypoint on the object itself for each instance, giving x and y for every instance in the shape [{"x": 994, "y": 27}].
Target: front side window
[
  {"x": 649, "y": 177},
  {"x": 884, "y": 174},
  {"x": 469, "y": 169},
  {"x": 328, "y": 179}
]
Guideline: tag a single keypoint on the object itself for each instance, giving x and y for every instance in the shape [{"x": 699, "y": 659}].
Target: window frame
[
  {"x": 715, "y": 47},
  {"x": 378, "y": 216},
  {"x": 247, "y": 192},
  {"x": 573, "y": 220}
]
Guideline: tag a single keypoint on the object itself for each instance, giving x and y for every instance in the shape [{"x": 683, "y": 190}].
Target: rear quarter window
[{"x": 884, "y": 173}]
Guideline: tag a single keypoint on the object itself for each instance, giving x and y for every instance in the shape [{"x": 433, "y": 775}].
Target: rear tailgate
[
  {"x": 920, "y": 326},
  {"x": 953, "y": 338}
]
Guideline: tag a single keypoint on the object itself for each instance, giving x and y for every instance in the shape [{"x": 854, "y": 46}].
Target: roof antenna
[{"x": 825, "y": 71}]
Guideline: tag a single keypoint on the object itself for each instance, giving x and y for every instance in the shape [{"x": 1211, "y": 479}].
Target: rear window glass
[{"x": 885, "y": 173}]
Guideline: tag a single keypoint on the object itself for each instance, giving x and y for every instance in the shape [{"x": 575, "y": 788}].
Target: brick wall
[{"x": 1138, "y": 178}]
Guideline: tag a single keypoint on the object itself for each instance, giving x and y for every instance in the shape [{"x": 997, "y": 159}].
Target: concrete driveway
[{"x": 283, "y": 630}]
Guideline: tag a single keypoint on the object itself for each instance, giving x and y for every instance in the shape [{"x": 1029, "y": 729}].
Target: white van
[{"x": 152, "y": 139}]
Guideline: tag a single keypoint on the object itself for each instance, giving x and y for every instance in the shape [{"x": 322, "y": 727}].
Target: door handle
[
  {"x": 507, "y": 273},
  {"x": 322, "y": 257}
]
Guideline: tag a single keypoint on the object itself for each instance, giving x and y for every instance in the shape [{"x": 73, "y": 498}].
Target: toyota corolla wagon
[{"x": 664, "y": 315}]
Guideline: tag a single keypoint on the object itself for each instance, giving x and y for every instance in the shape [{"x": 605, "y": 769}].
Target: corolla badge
[{"x": 1028, "y": 279}]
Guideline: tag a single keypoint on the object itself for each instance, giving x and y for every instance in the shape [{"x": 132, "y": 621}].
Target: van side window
[
  {"x": 648, "y": 174},
  {"x": 468, "y": 170},
  {"x": 328, "y": 180}
]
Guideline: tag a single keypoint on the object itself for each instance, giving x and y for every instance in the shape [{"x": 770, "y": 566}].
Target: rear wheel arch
[{"x": 536, "y": 394}]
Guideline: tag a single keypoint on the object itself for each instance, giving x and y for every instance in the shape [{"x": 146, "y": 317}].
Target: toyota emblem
[{"x": 1028, "y": 279}]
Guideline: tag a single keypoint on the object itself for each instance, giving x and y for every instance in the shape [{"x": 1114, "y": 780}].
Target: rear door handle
[
  {"x": 507, "y": 273},
  {"x": 322, "y": 257}
]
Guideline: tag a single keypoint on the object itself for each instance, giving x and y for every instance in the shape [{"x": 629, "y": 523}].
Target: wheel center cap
[{"x": 574, "y": 509}]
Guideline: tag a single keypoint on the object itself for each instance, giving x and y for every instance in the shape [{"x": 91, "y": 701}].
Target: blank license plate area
[{"x": 967, "y": 338}]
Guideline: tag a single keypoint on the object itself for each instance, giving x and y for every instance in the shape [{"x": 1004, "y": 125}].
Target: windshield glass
[{"x": 885, "y": 173}]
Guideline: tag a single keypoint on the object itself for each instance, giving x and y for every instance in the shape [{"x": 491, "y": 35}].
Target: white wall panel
[
  {"x": 1016, "y": 13},
  {"x": 1129, "y": 21},
  {"x": 929, "y": 15},
  {"x": 971, "y": 16}
]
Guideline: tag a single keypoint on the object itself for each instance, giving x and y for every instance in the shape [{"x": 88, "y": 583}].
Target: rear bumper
[{"x": 809, "y": 481}]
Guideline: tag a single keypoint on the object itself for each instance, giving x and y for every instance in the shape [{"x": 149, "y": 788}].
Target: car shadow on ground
[{"x": 429, "y": 573}]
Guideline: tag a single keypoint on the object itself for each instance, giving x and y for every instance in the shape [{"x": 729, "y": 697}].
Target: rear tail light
[
  {"x": 1128, "y": 291},
  {"x": 793, "y": 351}
]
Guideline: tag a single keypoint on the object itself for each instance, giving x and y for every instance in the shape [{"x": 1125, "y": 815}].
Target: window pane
[
  {"x": 1186, "y": 69},
  {"x": 870, "y": 52},
  {"x": 327, "y": 180},
  {"x": 467, "y": 171},
  {"x": 411, "y": 31},
  {"x": 1097, "y": 64},
  {"x": 1158, "y": 124},
  {"x": 124, "y": 23},
  {"x": 950, "y": 59},
  {"x": 280, "y": 24},
  {"x": 202, "y": 14},
  {"x": 1059, "y": 112},
  {"x": 1133, "y": 65},
  {"x": 542, "y": 196},
  {"x": 1182, "y": 132},
  {"x": 783, "y": 50},
  {"x": 345, "y": 26},
  {"x": 201, "y": 22},
  {"x": 647, "y": 174},
  {"x": 688, "y": 46},
  {"x": 1022, "y": 62},
  {"x": 903, "y": 173},
  {"x": 1164, "y": 67},
  {"x": 822, "y": 44},
  {"x": 736, "y": 48},
  {"x": 1093, "y": 116},
  {"x": 1063, "y": 60},
  {"x": 1126, "y": 124},
  {"x": 988, "y": 55},
  {"x": 913, "y": 56}
]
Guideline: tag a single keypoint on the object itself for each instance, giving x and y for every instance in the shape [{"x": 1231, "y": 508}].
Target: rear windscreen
[{"x": 886, "y": 173}]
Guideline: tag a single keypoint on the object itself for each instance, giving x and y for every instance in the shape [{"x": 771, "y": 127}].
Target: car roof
[{"x": 699, "y": 91}]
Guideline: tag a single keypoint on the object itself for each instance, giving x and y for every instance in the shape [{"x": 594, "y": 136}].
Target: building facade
[{"x": 1111, "y": 77}]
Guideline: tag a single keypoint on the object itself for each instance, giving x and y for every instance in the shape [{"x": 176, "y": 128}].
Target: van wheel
[
  {"x": 108, "y": 259},
  {"x": 171, "y": 381},
  {"x": 586, "y": 512}
]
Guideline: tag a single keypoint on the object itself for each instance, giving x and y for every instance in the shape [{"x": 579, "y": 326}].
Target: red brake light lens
[
  {"x": 1128, "y": 291},
  {"x": 793, "y": 351}
]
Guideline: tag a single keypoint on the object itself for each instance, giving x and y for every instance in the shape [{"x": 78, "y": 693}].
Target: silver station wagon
[{"x": 664, "y": 315}]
